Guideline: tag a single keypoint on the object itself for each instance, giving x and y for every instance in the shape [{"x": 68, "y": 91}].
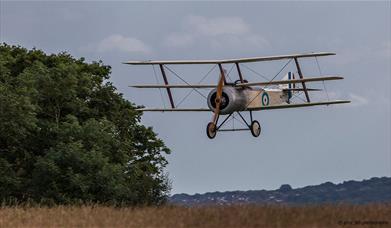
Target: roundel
[{"x": 265, "y": 99}]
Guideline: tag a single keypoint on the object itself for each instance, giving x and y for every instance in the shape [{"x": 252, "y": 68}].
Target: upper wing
[
  {"x": 223, "y": 61},
  {"x": 312, "y": 79}
]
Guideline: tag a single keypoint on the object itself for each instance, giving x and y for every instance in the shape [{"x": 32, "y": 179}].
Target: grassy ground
[{"x": 216, "y": 216}]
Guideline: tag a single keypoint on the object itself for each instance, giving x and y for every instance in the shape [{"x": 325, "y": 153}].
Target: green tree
[{"x": 67, "y": 135}]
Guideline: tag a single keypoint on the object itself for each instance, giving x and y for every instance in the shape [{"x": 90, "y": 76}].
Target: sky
[{"x": 300, "y": 147}]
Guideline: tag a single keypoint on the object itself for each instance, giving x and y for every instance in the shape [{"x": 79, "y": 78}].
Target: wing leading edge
[{"x": 224, "y": 61}]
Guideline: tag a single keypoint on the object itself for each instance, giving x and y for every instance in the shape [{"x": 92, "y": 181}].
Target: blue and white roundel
[{"x": 265, "y": 99}]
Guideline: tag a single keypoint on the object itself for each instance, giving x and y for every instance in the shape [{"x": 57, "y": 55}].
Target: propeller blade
[{"x": 219, "y": 93}]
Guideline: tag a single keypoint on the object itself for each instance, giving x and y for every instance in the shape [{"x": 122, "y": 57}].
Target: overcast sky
[{"x": 300, "y": 147}]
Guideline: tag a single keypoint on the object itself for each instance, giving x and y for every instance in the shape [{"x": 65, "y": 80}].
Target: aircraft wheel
[
  {"x": 255, "y": 128},
  {"x": 211, "y": 130}
]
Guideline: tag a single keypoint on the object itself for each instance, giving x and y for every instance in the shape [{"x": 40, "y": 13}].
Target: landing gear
[
  {"x": 211, "y": 130},
  {"x": 255, "y": 128}
]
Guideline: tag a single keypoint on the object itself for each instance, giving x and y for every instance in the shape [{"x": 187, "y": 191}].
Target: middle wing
[{"x": 312, "y": 79}]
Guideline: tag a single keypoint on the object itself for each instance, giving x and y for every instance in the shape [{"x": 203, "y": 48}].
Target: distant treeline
[
  {"x": 374, "y": 190},
  {"x": 67, "y": 136}
]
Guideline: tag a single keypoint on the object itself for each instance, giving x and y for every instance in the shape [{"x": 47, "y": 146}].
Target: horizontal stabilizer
[
  {"x": 224, "y": 61},
  {"x": 300, "y": 89}
]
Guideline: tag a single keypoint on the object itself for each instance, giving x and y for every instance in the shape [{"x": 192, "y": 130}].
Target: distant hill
[{"x": 374, "y": 190}]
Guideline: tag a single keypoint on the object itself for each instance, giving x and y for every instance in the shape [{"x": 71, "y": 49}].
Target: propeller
[{"x": 219, "y": 94}]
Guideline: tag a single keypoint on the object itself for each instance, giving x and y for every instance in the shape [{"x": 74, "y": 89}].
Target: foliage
[{"x": 67, "y": 135}]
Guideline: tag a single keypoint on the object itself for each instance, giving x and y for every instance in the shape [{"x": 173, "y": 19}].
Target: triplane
[{"x": 227, "y": 98}]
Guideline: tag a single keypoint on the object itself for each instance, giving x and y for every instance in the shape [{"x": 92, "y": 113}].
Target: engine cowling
[{"x": 232, "y": 100}]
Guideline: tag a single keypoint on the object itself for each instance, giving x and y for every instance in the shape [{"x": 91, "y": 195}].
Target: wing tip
[
  {"x": 324, "y": 53},
  {"x": 344, "y": 101}
]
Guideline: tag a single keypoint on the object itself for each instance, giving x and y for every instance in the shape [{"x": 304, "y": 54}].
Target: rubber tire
[
  {"x": 255, "y": 124},
  {"x": 211, "y": 133}
]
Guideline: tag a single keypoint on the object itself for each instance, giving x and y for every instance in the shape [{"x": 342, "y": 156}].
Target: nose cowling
[{"x": 232, "y": 100}]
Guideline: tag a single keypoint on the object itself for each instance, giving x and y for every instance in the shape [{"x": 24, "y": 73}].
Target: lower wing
[{"x": 282, "y": 106}]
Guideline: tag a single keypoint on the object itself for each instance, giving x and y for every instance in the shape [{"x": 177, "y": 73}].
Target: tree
[{"x": 67, "y": 135}]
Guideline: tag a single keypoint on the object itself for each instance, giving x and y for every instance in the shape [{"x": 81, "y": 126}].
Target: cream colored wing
[{"x": 224, "y": 61}]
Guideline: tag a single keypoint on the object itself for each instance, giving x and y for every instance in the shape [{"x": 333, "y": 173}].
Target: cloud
[
  {"x": 217, "y": 26},
  {"x": 216, "y": 32},
  {"x": 378, "y": 51},
  {"x": 179, "y": 40},
  {"x": 119, "y": 43},
  {"x": 356, "y": 100},
  {"x": 385, "y": 50}
]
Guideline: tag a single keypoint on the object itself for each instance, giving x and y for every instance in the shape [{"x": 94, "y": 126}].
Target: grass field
[{"x": 212, "y": 216}]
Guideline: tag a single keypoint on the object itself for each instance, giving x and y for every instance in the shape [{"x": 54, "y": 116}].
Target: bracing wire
[
  {"x": 157, "y": 82},
  {"x": 184, "y": 81},
  {"x": 317, "y": 63},
  {"x": 286, "y": 64},
  {"x": 191, "y": 91},
  {"x": 252, "y": 99},
  {"x": 324, "y": 85},
  {"x": 256, "y": 73},
  {"x": 239, "y": 120},
  {"x": 230, "y": 72},
  {"x": 298, "y": 96}
]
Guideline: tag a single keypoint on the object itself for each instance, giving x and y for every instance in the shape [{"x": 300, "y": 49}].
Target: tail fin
[{"x": 288, "y": 76}]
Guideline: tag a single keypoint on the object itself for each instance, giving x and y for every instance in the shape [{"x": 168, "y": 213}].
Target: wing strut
[
  {"x": 239, "y": 72},
  {"x": 301, "y": 77},
  {"x": 166, "y": 82}
]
